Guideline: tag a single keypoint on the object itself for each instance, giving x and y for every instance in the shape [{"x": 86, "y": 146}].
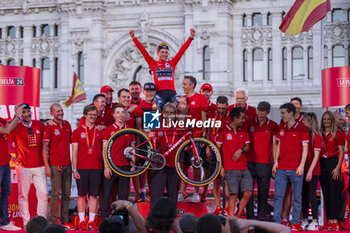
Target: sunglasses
[{"x": 30, "y": 131}]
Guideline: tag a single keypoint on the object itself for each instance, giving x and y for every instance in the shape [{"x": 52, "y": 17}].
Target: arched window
[
  {"x": 325, "y": 56},
  {"x": 244, "y": 20},
  {"x": 81, "y": 67},
  {"x": 310, "y": 67},
  {"x": 269, "y": 19},
  {"x": 338, "y": 56},
  {"x": 45, "y": 30},
  {"x": 257, "y": 19},
  {"x": 11, "y": 62},
  {"x": 297, "y": 61},
  {"x": 269, "y": 65},
  {"x": 11, "y": 32},
  {"x": 338, "y": 15},
  {"x": 258, "y": 66},
  {"x": 206, "y": 63},
  {"x": 284, "y": 64},
  {"x": 245, "y": 65},
  {"x": 45, "y": 73}
]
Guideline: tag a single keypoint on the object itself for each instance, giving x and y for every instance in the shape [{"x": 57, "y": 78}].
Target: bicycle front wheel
[
  {"x": 132, "y": 146},
  {"x": 198, "y": 172}
]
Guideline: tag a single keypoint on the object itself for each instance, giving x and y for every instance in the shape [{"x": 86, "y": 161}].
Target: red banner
[
  {"x": 19, "y": 85},
  {"x": 336, "y": 86}
]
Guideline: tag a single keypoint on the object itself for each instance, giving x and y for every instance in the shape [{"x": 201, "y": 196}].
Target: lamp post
[{"x": 291, "y": 82}]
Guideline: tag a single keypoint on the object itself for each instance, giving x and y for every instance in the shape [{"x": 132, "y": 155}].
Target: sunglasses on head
[{"x": 30, "y": 131}]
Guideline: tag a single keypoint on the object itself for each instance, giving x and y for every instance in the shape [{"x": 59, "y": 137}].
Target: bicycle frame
[{"x": 174, "y": 146}]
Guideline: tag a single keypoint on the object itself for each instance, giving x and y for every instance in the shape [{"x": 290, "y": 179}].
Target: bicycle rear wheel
[
  {"x": 137, "y": 151},
  {"x": 194, "y": 172}
]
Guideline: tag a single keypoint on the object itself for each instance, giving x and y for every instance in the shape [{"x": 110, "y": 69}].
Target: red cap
[
  {"x": 106, "y": 89},
  {"x": 207, "y": 86}
]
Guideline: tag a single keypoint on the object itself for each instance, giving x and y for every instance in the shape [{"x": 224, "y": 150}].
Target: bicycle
[{"x": 197, "y": 160}]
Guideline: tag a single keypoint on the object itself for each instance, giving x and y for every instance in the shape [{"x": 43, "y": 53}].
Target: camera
[{"x": 122, "y": 214}]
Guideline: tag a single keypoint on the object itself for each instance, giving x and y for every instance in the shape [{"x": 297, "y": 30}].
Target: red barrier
[{"x": 335, "y": 86}]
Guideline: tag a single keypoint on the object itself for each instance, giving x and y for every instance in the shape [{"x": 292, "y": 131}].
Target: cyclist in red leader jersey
[{"x": 163, "y": 70}]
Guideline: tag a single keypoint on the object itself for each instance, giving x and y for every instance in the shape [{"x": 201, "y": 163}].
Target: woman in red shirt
[
  {"x": 330, "y": 167},
  {"x": 312, "y": 172}
]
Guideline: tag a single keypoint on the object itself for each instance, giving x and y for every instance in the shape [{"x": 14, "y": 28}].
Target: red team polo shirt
[
  {"x": 105, "y": 119},
  {"x": 29, "y": 148},
  {"x": 163, "y": 72},
  {"x": 315, "y": 144},
  {"x": 4, "y": 147},
  {"x": 86, "y": 160},
  {"x": 118, "y": 146},
  {"x": 232, "y": 141},
  {"x": 211, "y": 107},
  {"x": 143, "y": 107},
  {"x": 59, "y": 138},
  {"x": 291, "y": 148},
  {"x": 261, "y": 138},
  {"x": 249, "y": 114},
  {"x": 196, "y": 104},
  {"x": 225, "y": 120},
  {"x": 139, "y": 101},
  {"x": 332, "y": 144}
]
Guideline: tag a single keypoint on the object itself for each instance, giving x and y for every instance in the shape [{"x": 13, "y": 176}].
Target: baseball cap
[
  {"x": 188, "y": 223},
  {"x": 207, "y": 86},
  {"x": 149, "y": 86},
  {"x": 24, "y": 105},
  {"x": 163, "y": 46},
  {"x": 106, "y": 89}
]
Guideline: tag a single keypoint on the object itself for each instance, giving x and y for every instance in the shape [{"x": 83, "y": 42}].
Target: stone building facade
[{"x": 238, "y": 44}]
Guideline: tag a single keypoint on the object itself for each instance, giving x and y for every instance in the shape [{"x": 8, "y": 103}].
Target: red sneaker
[
  {"x": 203, "y": 197},
  {"x": 83, "y": 226},
  {"x": 69, "y": 226},
  {"x": 341, "y": 225},
  {"x": 93, "y": 226},
  {"x": 137, "y": 195},
  {"x": 334, "y": 227},
  {"x": 285, "y": 223},
  {"x": 296, "y": 227},
  {"x": 218, "y": 210}
]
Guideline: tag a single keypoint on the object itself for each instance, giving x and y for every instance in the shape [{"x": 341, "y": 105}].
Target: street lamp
[{"x": 291, "y": 82}]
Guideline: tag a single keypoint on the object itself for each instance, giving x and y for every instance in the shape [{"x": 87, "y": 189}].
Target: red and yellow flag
[
  {"x": 78, "y": 92},
  {"x": 303, "y": 15}
]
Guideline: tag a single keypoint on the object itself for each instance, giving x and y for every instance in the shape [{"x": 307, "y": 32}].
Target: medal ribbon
[{"x": 87, "y": 139}]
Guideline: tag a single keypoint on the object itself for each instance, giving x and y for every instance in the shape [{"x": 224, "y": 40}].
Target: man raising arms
[{"x": 163, "y": 70}]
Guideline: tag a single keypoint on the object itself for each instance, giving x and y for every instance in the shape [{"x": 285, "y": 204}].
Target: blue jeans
[
  {"x": 5, "y": 184},
  {"x": 283, "y": 177}
]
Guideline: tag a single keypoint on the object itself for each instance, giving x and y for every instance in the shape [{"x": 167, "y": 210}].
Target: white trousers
[{"x": 25, "y": 178}]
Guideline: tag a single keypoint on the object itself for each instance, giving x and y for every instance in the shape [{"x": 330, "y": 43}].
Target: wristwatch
[{"x": 242, "y": 150}]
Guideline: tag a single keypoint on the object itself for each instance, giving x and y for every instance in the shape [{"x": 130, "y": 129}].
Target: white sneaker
[
  {"x": 313, "y": 226},
  {"x": 304, "y": 225},
  {"x": 10, "y": 227},
  {"x": 180, "y": 197},
  {"x": 195, "y": 197}
]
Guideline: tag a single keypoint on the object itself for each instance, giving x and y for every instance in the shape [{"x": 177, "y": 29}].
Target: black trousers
[
  {"x": 330, "y": 187},
  {"x": 262, "y": 173},
  {"x": 164, "y": 178},
  {"x": 309, "y": 197},
  {"x": 123, "y": 190}
]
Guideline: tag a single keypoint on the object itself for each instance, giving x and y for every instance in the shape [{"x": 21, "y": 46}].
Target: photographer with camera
[{"x": 121, "y": 210}]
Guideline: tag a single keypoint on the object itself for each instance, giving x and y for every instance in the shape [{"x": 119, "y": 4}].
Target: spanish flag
[
  {"x": 303, "y": 15},
  {"x": 78, "y": 92}
]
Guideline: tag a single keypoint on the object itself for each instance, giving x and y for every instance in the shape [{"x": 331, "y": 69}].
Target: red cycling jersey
[{"x": 163, "y": 72}]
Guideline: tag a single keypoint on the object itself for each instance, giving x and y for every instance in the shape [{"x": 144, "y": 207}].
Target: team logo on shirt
[
  {"x": 167, "y": 65},
  {"x": 38, "y": 131},
  {"x": 83, "y": 135},
  {"x": 193, "y": 103},
  {"x": 229, "y": 136},
  {"x": 57, "y": 132},
  {"x": 281, "y": 132},
  {"x": 252, "y": 129},
  {"x": 151, "y": 120}
]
